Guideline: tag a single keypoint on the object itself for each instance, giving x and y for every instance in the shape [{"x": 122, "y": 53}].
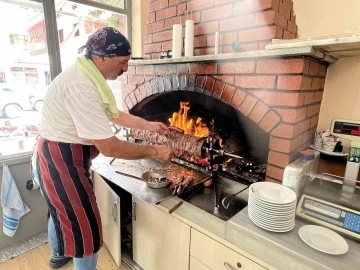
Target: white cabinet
[
  {"x": 160, "y": 241},
  {"x": 217, "y": 256},
  {"x": 196, "y": 265},
  {"x": 109, "y": 206}
]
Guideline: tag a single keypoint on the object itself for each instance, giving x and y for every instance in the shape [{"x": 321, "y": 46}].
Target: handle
[
  {"x": 175, "y": 207},
  {"x": 229, "y": 267},
  {"x": 112, "y": 212},
  {"x": 133, "y": 211}
]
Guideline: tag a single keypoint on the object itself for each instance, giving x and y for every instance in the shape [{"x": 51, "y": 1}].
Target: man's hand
[
  {"x": 158, "y": 127},
  {"x": 165, "y": 153}
]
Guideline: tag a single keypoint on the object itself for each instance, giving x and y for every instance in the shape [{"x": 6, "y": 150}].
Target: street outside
[{"x": 19, "y": 134}]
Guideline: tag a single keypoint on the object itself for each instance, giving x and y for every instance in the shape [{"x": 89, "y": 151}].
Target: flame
[{"x": 182, "y": 121}]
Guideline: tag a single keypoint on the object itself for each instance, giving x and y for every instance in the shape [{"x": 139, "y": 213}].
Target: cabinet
[
  {"x": 160, "y": 241},
  {"x": 217, "y": 256},
  {"x": 196, "y": 265},
  {"x": 109, "y": 206}
]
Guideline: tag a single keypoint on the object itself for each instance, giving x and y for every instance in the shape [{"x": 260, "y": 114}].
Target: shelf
[{"x": 335, "y": 154}]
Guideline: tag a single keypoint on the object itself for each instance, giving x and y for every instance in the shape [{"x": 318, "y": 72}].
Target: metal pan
[{"x": 147, "y": 176}]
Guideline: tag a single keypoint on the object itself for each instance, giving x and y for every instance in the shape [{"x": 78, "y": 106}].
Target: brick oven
[{"x": 274, "y": 95}]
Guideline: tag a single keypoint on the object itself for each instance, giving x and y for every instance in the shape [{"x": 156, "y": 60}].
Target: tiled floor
[{"x": 38, "y": 258}]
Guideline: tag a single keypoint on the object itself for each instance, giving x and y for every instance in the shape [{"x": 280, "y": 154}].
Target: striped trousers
[{"x": 68, "y": 190}]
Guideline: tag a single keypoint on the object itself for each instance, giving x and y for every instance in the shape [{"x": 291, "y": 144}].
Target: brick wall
[
  {"x": 281, "y": 95},
  {"x": 252, "y": 23}
]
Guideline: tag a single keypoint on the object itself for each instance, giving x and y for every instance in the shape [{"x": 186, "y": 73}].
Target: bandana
[{"x": 107, "y": 42}]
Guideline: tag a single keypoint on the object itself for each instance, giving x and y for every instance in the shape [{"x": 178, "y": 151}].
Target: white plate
[
  {"x": 273, "y": 193},
  {"x": 253, "y": 197},
  {"x": 282, "y": 207},
  {"x": 272, "y": 211},
  {"x": 272, "y": 229},
  {"x": 323, "y": 239},
  {"x": 266, "y": 216}
]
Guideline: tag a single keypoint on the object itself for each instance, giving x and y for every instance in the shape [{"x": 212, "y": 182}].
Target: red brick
[
  {"x": 237, "y": 67},
  {"x": 322, "y": 84},
  {"x": 221, "y": 2},
  {"x": 227, "y": 38},
  {"x": 247, "y": 105},
  {"x": 144, "y": 70},
  {"x": 200, "y": 41},
  {"x": 289, "y": 82},
  {"x": 204, "y": 51},
  {"x": 236, "y": 23},
  {"x": 174, "y": 2},
  {"x": 209, "y": 85},
  {"x": 126, "y": 89},
  {"x": 167, "y": 45},
  {"x": 218, "y": 88},
  {"x": 155, "y": 27},
  {"x": 166, "y": 13},
  {"x": 137, "y": 95},
  {"x": 165, "y": 69},
  {"x": 265, "y": 18},
  {"x": 216, "y": 13},
  {"x": 136, "y": 79},
  {"x": 225, "y": 79},
  {"x": 143, "y": 92},
  {"x": 148, "y": 39},
  {"x": 249, "y": 46},
  {"x": 275, "y": 172},
  {"x": 256, "y": 34},
  {"x": 162, "y": 36},
  {"x": 288, "y": 35},
  {"x": 210, "y": 40},
  {"x": 318, "y": 96},
  {"x": 206, "y": 28},
  {"x": 313, "y": 110},
  {"x": 227, "y": 94},
  {"x": 158, "y": 5},
  {"x": 151, "y": 17},
  {"x": 306, "y": 83},
  {"x": 279, "y": 159},
  {"x": 275, "y": 5},
  {"x": 306, "y": 66},
  {"x": 284, "y": 145},
  {"x": 323, "y": 70},
  {"x": 292, "y": 115},
  {"x": 284, "y": 10},
  {"x": 245, "y": 7},
  {"x": 274, "y": 98},
  {"x": 309, "y": 98},
  {"x": 196, "y": 5},
  {"x": 293, "y": 16},
  {"x": 259, "y": 111},
  {"x": 314, "y": 68},
  {"x": 269, "y": 121},
  {"x": 262, "y": 45},
  {"x": 314, "y": 121},
  {"x": 302, "y": 126},
  {"x": 181, "y": 9},
  {"x": 176, "y": 20},
  {"x": 237, "y": 98},
  {"x": 131, "y": 70},
  {"x": 281, "y": 21},
  {"x": 316, "y": 83},
  {"x": 284, "y": 131},
  {"x": 281, "y": 66},
  {"x": 123, "y": 79},
  {"x": 279, "y": 32},
  {"x": 133, "y": 98},
  {"x": 269, "y": 179},
  {"x": 182, "y": 69},
  {"x": 203, "y": 69},
  {"x": 308, "y": 135},
  {"x": 255, "y": 81},
  {"x": 292, "y": 27}
]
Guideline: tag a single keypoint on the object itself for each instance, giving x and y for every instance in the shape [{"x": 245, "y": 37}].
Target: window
[{"x": 114, "y": 3}]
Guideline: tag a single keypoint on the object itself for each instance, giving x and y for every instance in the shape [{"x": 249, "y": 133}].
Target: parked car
[
  {"x": 36, "y": 101},
  {"x": 14, "y": 99}
]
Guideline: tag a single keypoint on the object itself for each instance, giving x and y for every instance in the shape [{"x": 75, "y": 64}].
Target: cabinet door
[
  {"x": 160, "y": 241},
  {"x": 196, "y": 265},
  {"x": 109, "y": 206}
]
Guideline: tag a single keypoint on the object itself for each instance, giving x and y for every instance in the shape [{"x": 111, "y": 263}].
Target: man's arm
[
  {"x": 113, "y": 147},
  {"x": 131, "y": 121}
]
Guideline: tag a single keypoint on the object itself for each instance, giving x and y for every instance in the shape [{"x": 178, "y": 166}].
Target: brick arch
[{"x": 244, "y": 101}]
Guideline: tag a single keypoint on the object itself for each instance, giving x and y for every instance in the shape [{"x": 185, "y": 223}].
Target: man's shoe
[{"x": 56, "y": 264}]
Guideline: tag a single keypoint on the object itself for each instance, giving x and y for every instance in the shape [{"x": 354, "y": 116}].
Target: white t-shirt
[{"x": 73, "y": 111}]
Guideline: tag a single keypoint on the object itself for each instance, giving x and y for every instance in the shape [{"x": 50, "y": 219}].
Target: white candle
[
  {"x": 216, "y": 42},
  {"x": 189, "y": 38},
  {"x": 177, "y": 41}
]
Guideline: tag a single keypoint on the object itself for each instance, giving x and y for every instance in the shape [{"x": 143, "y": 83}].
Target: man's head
[{"x": 110, "y": 51}]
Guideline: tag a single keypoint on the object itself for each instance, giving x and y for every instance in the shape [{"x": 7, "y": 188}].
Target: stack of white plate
[{"x": 272, "y": 206}]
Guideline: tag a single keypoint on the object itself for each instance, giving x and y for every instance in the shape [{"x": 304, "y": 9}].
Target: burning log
[{"x": 179, "y": 141}]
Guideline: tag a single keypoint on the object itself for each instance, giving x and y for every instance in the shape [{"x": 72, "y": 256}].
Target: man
[{"x": 74, "y": 129}]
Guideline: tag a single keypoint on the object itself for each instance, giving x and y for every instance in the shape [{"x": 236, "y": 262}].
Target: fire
[{"x": 190, "y": 126}]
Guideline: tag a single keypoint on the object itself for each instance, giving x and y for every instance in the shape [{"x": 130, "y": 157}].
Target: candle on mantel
[
  {"x": 216, "y": 42},
  {"x": 189, "y": 38},
  {"x": 177, "y": 41}
]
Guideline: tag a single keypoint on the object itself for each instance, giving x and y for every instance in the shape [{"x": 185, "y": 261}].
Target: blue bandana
[{"x": 107, "y": 42}]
